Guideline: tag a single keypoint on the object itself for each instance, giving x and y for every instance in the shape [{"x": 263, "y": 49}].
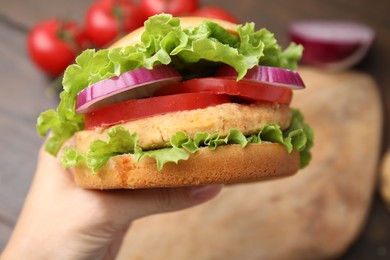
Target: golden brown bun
[{"x": 226, "y": 164}]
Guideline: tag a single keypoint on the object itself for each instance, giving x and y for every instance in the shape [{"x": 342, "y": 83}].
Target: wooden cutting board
[{"x": 315, "y": 214}]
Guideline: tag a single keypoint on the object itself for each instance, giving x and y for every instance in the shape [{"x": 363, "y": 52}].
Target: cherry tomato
[
  {"x": 174, "y": 7},
  {"x": 107, "y": 20},
  {"x": 53, "y": 45},
  {"x": 215, "y": 12},
  {"x": 243, "y": 90},
  {"x": 145, "y": 107}
]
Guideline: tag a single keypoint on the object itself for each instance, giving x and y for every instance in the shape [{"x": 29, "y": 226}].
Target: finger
[
  {"x": 139, "y": 203},
  {"x": 49, "y": 169}
]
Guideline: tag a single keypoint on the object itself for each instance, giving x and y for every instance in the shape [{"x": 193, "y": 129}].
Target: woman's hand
[{"x": 62, "y": 221}]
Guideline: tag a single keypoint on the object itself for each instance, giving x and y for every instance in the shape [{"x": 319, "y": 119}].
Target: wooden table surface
[{"x": 25, "y": 92}]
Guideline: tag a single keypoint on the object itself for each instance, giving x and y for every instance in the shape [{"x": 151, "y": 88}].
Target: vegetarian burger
[{"x": 178, "y": 102}]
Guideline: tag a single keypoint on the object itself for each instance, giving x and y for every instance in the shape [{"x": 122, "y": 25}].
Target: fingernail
[{"x": 205, "y": 192}]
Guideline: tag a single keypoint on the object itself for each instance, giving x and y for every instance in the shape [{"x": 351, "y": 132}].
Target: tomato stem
[
  {"x": 67, "y": 36},
  {"x": 119, "y": 17}
]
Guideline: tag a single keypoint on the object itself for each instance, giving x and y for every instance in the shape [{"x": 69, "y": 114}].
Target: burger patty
[{"x": 155, "y": 132}]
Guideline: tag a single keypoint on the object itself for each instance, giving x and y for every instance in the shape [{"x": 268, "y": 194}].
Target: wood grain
[
  {"x": 5, "y": 233},
  {"x": 316, "y": 214},
  {"x": 24, "y": 14},
  {"x": 21, "y": 100}
]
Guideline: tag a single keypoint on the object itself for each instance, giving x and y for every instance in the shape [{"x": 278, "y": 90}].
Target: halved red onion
[
  {"x": 269, "y": 75},
  {"x": 138, "y": 83},
  {"x": 336, "y": 45}
]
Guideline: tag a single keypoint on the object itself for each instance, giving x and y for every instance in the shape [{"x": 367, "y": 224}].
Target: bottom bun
[{"x": 226, "y": 164}]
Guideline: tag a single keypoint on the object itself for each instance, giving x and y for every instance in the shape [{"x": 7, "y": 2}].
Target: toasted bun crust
[{"x": 226, "y": 164}]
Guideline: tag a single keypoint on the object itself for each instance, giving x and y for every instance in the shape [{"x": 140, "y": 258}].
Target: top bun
[{"x": 189, "y": 21}]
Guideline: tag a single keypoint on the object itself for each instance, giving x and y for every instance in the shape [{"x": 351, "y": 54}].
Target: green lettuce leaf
[
  {"x": 195, "y": 52},
  {"x": 298, "y": 136}
]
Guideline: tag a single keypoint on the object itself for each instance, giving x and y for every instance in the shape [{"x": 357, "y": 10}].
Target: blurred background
[{"x": 26, "y": 90}]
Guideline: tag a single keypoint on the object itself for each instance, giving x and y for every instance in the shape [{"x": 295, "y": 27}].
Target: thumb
[
  {"x": 143, "y": 202},
  {"x": 170, "y": 199}
]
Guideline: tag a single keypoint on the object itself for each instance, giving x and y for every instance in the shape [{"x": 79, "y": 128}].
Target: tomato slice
[
  {"x": 145, "y": 107},
  {"x": 244, "y": 90}
]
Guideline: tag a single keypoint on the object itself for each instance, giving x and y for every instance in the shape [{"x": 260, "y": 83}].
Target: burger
[{"x": 179, "y": 102}]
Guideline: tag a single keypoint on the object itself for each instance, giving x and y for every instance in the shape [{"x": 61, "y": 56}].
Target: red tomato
[
  {"x": 145, "y": 107},
  {"x": 53, "y": 45},
  {"x": 243, "y": 90},
  {"x": 215, "y": 12},
  {"x": 174, "y": 7},
  {"x": 107, "y": 20}
]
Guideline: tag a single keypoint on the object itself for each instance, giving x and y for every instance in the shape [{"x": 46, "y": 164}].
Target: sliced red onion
[
  {"x": 269, "y": 75},
  {"x": 138, "y": 83},
  {"x": 336, "y": 45}
]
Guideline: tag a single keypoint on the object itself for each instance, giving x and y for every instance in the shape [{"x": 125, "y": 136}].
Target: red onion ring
[
  {"x": 269, "y": 75},
  {"x": 138, "y": 83}
]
